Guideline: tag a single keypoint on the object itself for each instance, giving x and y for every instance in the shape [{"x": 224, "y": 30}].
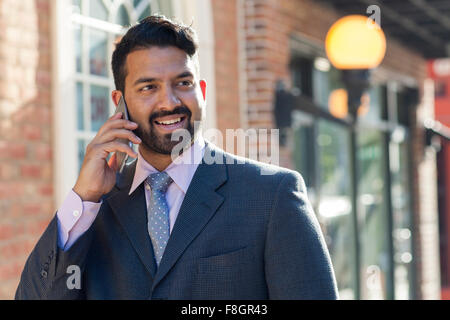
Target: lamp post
[{"x": 355, "y": 44}]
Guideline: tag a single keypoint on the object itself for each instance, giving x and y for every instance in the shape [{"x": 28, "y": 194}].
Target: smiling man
[
  {"x": 164, "y": 229},
  {"x": 171, "y": 73}
]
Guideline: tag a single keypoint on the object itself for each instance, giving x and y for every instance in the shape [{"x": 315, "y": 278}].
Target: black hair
[{"x": 155, "y": 30}]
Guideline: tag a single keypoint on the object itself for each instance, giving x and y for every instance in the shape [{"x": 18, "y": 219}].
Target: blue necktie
[{"x": 158, "y": 213}]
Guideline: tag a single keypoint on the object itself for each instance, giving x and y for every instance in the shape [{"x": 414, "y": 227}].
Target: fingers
[
  {"x": 118, "y": 133},
  {"x": 114, "y": 146},
  {"x": 113, "y": 136},
  {"x": 102, "y": 151},
  {"x": 116, "y": 122}
]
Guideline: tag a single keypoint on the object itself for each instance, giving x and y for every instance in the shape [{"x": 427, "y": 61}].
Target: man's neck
[{"x": 158, "y": 160}]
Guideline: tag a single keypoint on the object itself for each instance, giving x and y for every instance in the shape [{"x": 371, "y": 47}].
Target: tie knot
[{"x": 159, "y": 181}]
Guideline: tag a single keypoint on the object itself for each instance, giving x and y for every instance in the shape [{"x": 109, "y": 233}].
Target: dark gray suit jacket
[{"x": 239, "y": 235}]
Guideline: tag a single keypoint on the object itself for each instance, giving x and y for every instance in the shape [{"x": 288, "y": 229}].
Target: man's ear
[
  {"x": 203, "y": 87},
  {"x": 116, "y": 95}
]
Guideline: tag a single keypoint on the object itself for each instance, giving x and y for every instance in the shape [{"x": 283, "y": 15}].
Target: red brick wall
[
  {"x": 226, "y": 64},
  {"x": 26, "y": 186}
]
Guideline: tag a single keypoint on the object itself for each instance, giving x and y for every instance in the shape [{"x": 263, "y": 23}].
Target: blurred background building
[
  {"x": 55, "y": 84},
  {"x": 439, "y": 137}
]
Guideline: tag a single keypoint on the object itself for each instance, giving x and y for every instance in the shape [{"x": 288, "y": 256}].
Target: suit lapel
[
  {"x": 200, "y": 204},
  {"x": 131, "y": 212}
]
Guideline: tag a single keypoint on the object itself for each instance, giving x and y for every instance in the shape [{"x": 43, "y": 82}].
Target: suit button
[{"x": 44, "y": 273}]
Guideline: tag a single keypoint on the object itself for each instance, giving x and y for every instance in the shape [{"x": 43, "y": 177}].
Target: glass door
[
  {"x": 334, "y": 203},
  {"x": 401, "y": 218},
  {"x": 373, "y": 226}
]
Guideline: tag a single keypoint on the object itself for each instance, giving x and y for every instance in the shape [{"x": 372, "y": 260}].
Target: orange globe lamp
[{"x": 355, "y": 42}]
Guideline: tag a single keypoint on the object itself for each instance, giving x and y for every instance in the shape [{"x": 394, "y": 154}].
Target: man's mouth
[{"x": 171, "y": 122}]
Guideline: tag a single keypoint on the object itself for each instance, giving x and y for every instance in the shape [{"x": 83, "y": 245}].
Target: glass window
[
  {"x": 301, "y": 75},
  {"x": 76, "y": 4},
  {"x": 304, "y": 149},
  {"x": 401, "y": 219},
  {"x": 406, "y": 99},
  {"x": 97, "y": 9},
  {"x": 372, "y": 215},
  {"x": 81, "y": 147},
  {"x": 145, "y": 13},
  {"x": 80, "y": 111},
  {"x": 78, "y": 47},
  {"x": 99, "y": 106},
  {"x": 326, "y": 78},
  {"x": 321, "y": 88},
  {"x": 376, "y": 101},
  {"x": 98, "y": 57},
  {"x": 122, "y": 16},
  {"x": 335, "y": 205}
]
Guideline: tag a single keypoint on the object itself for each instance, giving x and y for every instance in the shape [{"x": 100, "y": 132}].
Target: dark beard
[{"x": 163, "y": 144}]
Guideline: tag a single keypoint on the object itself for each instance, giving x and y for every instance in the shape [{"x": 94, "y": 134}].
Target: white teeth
[{"x": 170, "y": 121}]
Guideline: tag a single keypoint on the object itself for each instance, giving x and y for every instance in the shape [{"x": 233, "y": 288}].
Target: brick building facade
[
  {"x": 26, "y": 183},
  {"x": 252, "y": 48}
]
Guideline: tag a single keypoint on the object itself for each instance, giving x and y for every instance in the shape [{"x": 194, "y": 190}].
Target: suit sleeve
[
  {"x": 46, "y": 272},
  {"x": 297, "y": 262}
]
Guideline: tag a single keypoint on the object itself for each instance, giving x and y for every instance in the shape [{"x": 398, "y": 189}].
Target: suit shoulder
[{"x": 246, "y": 168}]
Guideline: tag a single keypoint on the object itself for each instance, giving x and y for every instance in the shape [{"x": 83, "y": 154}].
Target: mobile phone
[{"x": 121, "y": 157}]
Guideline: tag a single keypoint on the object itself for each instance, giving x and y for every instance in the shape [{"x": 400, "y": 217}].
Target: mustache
[{"x": 177, "y": 110}]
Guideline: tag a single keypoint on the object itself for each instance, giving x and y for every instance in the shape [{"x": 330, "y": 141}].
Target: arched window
[{"x": 96, "y": 26}]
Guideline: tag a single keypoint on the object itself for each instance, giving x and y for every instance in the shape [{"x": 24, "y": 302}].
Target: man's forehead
[{"x": 158, "y": 62}]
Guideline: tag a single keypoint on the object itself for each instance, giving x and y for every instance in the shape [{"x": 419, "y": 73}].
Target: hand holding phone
[
  {"x": 121, "y": 157},
  {"x": 97, "y": 177}
]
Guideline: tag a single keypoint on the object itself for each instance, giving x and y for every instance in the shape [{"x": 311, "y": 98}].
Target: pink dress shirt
[{"x": 75, "y": 216}]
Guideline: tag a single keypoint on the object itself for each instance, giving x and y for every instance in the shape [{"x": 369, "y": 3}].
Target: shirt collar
[{"x": 181, "y": 170}]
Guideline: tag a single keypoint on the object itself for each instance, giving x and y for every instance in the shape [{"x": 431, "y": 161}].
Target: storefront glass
[
  {"x": 373, "y": 228},
  {"x": 401, "y": 219},
  {"x": 334, "y": 203}
]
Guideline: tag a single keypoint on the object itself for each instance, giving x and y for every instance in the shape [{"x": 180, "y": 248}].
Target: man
[{"x": 165, "y": 229}]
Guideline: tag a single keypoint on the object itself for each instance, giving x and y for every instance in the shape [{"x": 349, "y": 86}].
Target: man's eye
[
  {"x": 149, "y": 87},
  {"x": 185, "y": 83}
]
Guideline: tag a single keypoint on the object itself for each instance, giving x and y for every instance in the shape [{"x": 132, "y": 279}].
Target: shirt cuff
[{"x": 74, "y": 218}]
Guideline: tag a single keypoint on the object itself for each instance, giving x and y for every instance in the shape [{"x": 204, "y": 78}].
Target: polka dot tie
[{"x": 158, "y": 213}]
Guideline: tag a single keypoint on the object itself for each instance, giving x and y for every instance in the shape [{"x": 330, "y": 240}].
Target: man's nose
[{"x": 169, "y": 99}]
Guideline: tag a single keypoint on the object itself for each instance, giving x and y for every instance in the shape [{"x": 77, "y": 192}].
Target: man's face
[{"x": 163, "y": 94}]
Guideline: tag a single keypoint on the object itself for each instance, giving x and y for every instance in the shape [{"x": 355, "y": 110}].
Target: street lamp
[{"x": 355, "y": 44}]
